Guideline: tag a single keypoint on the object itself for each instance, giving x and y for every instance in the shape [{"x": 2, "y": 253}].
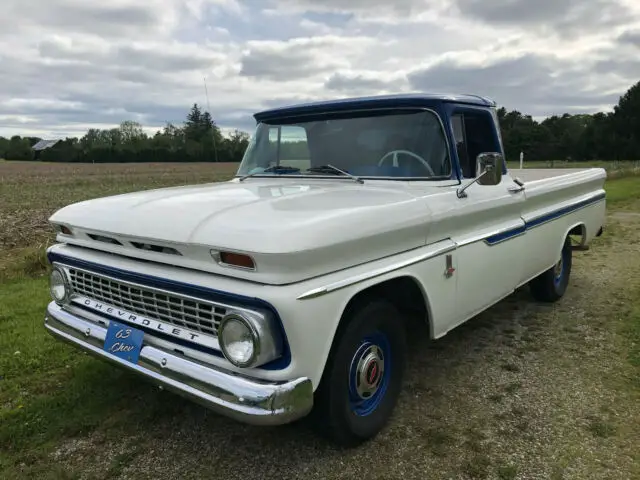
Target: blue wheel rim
[
  {"x": 560, "y": 268},
  {"x": 373, "y": 353}
]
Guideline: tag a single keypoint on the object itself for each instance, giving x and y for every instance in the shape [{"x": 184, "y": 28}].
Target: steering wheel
[{"x": 411, "y": 154}]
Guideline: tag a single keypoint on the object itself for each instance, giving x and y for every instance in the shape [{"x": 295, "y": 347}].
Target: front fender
[{"x": 320, "y": 303}]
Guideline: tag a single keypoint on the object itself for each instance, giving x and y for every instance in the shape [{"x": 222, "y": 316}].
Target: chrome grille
[{"x": 186, "y": 312}]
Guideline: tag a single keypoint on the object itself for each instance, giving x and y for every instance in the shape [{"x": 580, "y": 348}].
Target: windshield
[{"x": 384, "y": 145}]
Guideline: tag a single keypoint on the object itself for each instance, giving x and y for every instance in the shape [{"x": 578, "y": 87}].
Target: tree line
[
  {"x": 199, "y": 139},
  {"x": 613, "y": 135}
]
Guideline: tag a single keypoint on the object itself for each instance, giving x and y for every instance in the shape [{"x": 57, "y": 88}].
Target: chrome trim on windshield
[{"x": 450, "y": 176}]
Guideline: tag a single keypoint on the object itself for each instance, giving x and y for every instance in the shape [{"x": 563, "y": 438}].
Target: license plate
[{"x": 123, "y": 341}]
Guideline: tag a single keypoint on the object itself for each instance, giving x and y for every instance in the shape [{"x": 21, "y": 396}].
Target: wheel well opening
[
  {"x": 403, "y": 292},
  {"x": 579, "y": 231}
]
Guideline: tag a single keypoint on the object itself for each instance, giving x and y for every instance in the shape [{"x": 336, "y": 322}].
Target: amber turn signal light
[{"x": 232, "y": 259}]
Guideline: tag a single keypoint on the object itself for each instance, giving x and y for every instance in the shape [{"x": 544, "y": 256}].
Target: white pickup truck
[{"x": 285, "y": 291}]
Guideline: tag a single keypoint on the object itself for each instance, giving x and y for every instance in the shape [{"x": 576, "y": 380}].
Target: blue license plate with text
[{"x": 123, "y": 341}]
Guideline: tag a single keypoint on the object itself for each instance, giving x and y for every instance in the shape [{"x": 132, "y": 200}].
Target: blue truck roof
[{"x": 378, "y": 101}]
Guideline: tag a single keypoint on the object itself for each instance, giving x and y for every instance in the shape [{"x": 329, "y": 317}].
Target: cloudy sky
[{"x": 67, "y": 65}]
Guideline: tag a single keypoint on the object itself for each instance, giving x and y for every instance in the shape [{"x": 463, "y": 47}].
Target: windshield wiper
[
  {"x": 274, "y": 169},
  {"x": 335, "y": 170}
]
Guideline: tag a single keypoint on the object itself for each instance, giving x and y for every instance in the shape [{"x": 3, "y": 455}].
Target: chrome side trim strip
[
  {"x": 560, "y": 212},
  {"x": 347, "y": 282},
  {"x": 244, "y": 399},
  {"x": 520, "y": 227},
  {"x": 493, "y": 233}
]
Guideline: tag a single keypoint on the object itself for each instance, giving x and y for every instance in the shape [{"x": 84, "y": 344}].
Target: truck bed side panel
[{"x": 553, "y": 207}]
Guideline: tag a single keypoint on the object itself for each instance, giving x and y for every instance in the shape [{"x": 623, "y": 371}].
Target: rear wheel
[
  {"x": 551, "y": 285},
  {"x": 363, "y": 375}
]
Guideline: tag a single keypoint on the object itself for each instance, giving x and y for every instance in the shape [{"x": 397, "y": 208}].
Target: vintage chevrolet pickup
[{"x": 285, "y": 292}]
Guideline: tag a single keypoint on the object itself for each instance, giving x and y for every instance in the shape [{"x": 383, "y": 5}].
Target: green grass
[
  {"x": 601, "y": 428},
  {"x": 50, "y": 391},
  {"x": 623, "y": 190},
  {"x": 507, "y": 472},
  {"x": 632, "y": 332}
]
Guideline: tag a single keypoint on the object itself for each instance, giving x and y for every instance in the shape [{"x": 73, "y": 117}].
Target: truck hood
[{"x": 294, "y": 228}]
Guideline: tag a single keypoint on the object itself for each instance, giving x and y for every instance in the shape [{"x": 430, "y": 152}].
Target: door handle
[{"x": 515, "y": 189}]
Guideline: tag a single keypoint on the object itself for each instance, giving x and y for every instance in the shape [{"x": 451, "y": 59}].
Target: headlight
[
  {"x": 248, "y": 340},
  {"x": 58, "y": 286}
]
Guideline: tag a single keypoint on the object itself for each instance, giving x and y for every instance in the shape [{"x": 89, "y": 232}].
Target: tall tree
[
  {"x": 131, "y": 132},
  {"x": 626, "y": 123},
  {"x": 195, "y": 125}
]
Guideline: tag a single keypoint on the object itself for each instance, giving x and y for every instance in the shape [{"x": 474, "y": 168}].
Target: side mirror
[
  {"x": 489, "y": 168},
  {"x": 488, "y": 171}
]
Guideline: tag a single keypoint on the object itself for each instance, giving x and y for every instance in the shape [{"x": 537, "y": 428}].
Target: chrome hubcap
[{"x": 369, "y": 370}]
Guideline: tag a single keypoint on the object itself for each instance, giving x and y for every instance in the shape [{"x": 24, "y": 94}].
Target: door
[{"x": 487, "y": 224}]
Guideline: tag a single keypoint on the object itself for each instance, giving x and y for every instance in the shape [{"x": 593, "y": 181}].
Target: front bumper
[{"x": 247, "y": 400}]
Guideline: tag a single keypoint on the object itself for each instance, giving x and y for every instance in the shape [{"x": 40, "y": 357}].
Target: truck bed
[{"x": 533, "y": 174}]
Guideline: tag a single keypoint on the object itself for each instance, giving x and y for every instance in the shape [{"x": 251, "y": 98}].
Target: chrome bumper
[{"x": 247, "y": 400}]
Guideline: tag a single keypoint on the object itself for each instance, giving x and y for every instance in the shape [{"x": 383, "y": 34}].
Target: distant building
[{"x": 42, "y": 145}]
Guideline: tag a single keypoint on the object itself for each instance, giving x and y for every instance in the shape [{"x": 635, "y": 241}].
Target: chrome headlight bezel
[
  {"x": 266, "y": 340},
  {"x": 59, "y": 275}
]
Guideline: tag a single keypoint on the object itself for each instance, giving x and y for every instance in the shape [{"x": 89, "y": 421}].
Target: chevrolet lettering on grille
[{"x": 123, "y": 315}]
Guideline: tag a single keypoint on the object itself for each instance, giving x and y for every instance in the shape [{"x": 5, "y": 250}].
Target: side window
[
  {"x": 479, "y": 135},
  {"x": 294, "y": 149},
  {"x": 458, "y": 127},
  {"x": 457, "y": 123}
]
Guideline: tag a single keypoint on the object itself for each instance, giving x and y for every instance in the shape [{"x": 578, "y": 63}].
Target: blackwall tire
[
  {"x": 551, "y": 285},
  {"x": 363, "y": 375}
]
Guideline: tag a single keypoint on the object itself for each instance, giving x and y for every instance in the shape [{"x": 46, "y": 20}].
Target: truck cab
[{"x": 285, "y": 291}]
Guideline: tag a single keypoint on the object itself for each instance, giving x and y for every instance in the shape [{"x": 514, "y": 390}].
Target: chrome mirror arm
[{"x": 460, "y": 192}]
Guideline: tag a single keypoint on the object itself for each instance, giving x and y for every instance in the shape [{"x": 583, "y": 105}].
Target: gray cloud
[
  {"x": 295, "y": 59},
  {"x": 359, "y": 83},
  {"x": 146, "y": 57},
  {"x": 398, "y": 6},
  {"x": 163, "y": 60},
  {"x": 623, "y": 68},
  {"x": 279, "y": 65},
  {"x": 536, "y": 84},
  {"x": 631, "y": 37},
  {"x": 566, "y": 17},
  {"x": 79, "y": 15},
  {"x": 82, "y": 93}
]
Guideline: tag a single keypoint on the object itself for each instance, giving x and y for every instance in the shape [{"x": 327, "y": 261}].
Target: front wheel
[
  {"x": 363, "y": 376},
  {"x": 551, "y": 285}
]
